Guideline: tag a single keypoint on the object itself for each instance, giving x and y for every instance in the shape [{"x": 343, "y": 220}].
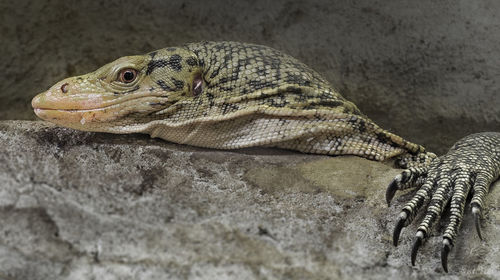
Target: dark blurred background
[{"x": 427, "y": 70}]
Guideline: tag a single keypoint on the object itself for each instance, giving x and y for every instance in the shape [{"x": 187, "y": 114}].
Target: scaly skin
[
  {"x": 472, "y": 164},
  {"x": 229, "y": 95}
]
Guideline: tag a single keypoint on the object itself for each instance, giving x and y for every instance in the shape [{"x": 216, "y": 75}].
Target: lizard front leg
[{"x": 470, "y": 166}]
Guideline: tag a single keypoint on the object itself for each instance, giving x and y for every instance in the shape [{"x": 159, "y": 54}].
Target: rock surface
[
  {"x": 77, "y": 205},
  {"x": 428, "y": 70}
]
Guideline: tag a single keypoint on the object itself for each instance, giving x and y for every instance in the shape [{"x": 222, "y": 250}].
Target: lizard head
[{"x": 123, "y": 95}]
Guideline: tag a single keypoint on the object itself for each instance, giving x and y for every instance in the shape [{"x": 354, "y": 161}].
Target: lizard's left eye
[{"x": 127, "y": 75}]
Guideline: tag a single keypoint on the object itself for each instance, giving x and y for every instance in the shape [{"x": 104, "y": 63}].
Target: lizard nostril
[{"x": 64, "y": 88}]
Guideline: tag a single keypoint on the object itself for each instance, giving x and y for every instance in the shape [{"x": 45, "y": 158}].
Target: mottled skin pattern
[{"x": 229, "y": 95}]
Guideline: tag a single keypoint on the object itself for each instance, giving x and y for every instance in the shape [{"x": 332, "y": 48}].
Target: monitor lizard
[{"x": 230, "y": 95}]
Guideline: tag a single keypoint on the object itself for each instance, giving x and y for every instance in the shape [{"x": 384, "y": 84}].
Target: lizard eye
[{"x": 127, "y": 75}]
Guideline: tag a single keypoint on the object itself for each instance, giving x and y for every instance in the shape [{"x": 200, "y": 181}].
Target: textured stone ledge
[{"x": 76, "y": 205}]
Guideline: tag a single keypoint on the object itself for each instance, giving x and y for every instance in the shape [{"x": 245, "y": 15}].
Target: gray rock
[{"x": 77, "y": 205}]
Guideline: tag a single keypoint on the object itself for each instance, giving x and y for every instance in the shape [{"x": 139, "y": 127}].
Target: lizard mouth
[
  {"x": 81, "y": 102},
  {"x": 99, "y": 114},
  {"x": 42, "y": 109}
]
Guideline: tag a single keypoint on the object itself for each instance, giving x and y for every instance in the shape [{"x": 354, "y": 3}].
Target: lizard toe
[
  {"x": 480, "y": 189},
  {"x": 409, "y": 178}
]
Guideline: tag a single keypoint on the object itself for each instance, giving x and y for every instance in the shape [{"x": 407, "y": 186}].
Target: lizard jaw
[{"x": 103, "y": 119}]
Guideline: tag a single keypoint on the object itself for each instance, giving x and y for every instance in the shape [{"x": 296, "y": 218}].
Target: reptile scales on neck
[{"x": 229, "y": 95}]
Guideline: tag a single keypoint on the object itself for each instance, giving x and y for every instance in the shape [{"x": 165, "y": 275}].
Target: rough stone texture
[
  {"x": 427, "y": 70},
  {"x": 76, "y": 205}
]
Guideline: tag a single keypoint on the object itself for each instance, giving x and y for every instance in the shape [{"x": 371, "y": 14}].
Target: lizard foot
[{"x": 471, "y": 166}]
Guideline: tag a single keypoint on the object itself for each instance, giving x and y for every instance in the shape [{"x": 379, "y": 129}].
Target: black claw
[
  {"x": 397, "y": 230},
  {"x": 478, "y": 226},
  {"x": 444, "y": 254},
  {"x": 477, "y": 215},
  {"x": 391, "y": 191},
  {"x": 414, "y": 249}
]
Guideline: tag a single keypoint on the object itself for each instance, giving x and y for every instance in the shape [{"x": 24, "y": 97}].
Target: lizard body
[
  {"x": 229, "y": 95},
  {"x": 251, "y": 96}
]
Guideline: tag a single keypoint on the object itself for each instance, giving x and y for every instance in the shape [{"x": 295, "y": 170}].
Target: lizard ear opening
[{"x": 197, "y": 85}]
